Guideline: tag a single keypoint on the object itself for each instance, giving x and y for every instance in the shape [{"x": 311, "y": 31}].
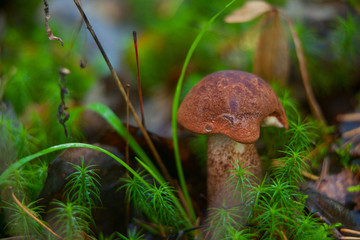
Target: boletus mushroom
[{"x": 230, "y": 106}]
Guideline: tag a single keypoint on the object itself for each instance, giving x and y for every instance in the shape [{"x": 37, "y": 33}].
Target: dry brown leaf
[
  {"x": 248, "y": 12},
  {"x": 272, "y": 53},
  {"x": 335, "y": 187},
  {"x": 47, "y": 27}
]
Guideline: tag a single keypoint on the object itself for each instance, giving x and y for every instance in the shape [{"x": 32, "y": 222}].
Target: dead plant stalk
[
  {"x": 31, "y": 214},
  {"x": 303, "y": 71},
  {"x": 124, "y": 94}
]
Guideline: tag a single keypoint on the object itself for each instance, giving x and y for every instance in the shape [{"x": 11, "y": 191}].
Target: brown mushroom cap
[{"x": 233, "y": 103}]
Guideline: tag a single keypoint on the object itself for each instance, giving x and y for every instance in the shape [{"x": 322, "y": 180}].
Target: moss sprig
[
  {"x": 71, "y": 220},
  {"x": 82, "y": 187},
  {"x": 153, "y": 201}
]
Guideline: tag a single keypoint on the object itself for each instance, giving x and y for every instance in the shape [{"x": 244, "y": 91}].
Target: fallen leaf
[
  {"x": 335, "y": 187},
  {"x": 272, "y": 53},
  {"x": 330, "y": 210},
  {"x": 248, "y": 12}
]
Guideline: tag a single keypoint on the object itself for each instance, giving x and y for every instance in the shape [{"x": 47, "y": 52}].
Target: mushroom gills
[{"x": 271, "y": 121}]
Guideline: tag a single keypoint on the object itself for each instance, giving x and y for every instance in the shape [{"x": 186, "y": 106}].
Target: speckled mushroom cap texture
[{"x": 233, "y": 103}]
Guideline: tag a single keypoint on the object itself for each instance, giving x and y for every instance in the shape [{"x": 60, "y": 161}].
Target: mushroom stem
[{"x": 222, "y": 153}]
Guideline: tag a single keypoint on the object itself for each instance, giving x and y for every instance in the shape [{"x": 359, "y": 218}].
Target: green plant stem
[{"x": 176, "y": 106}]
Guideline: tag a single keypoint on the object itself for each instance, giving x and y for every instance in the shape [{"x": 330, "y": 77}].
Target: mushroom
[{"x": 230, "y": 106}]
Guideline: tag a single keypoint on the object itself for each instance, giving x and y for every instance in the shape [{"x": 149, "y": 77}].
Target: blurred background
[{"x": 328, "y": 31}]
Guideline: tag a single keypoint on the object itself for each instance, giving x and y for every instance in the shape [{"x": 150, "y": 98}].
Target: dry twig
[
  {"x": 47, "y": 27},
  {"x": 315, "y": 108},
  {"x": 31, "y": 214},
  {"x": 350, "y": 231}
]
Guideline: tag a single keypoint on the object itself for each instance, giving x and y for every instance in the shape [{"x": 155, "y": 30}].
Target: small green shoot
[
  {"x": 310, "y": 228},
  {"x": 133, "y": 234},
  {"x": 82, "y": 186},
  {"x": 71, "y": 220},
  {"x": 239, "y": 181},
  {"x": 223, "y": 218},
  {"x": 344, "y": 155},
  {"x": 154, "y": 201}
]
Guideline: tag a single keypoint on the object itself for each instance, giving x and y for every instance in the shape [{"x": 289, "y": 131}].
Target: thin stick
[
  {"x": 73, "y": 40},
  {"x": 350, "y": 231},
  {"x": 127, "y": 128},
  {"x": 123, "y": 92},
  {"x": 283, "y": 236},
  {"x": 208, "y": 232},
  {"x": 324, "y": 172},
  {"x": 127, "y": 211},
  {"x": 304, "y": 74},
  {"x": 29, "y": 212},
  {"x": 351, "y": 133},
  {"x": 316, "y": 151},
  {"x": 197, "y": 230},
  {"x": 348, "y": 117},
  {"x": 139, "y": 81},
  {"x": 350, "y": 141},
  {"x": 350, "y": 238},
  {"x": 49, "y": 33},
  {"x": 310, "y": 175},
  {"x": 182, "y": 199}
]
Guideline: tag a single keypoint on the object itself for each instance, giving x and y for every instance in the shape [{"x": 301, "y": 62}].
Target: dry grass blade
[
  {"x": 127, "y": 128},
  {"x": 47, "y": 27},
  {"x": 32, "y": 215},
  {"x": 139, "y": 81},
  {"x": 315, "y": 108},
  {"x": 350, "y": 238},
  {"x": 283, "y": 236},
  {"x": 272, "y": 53},
  {"x": 248, "y": 12},
  {"x": 127, "y": 210}
]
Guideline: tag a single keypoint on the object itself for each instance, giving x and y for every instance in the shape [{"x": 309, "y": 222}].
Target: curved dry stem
[
  {"x": 315, "y": 108},
  {"x": 30, "y": 214}
]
